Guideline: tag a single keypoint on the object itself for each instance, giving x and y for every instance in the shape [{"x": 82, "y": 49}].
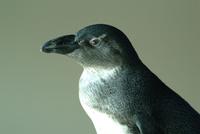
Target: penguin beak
[{"x": 60, "y": 45}]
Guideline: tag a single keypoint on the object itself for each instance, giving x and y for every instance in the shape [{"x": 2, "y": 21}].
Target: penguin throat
[
  {"x": 91, "y": 74},
  {"x": 94, "y": 82}
]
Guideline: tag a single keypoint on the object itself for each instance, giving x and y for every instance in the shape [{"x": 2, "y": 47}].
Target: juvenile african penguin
[{"x": 117, "y": 91}]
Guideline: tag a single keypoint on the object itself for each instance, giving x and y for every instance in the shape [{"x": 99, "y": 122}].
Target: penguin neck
[
  {"x": 93, "y": 81},
  {"x": 101, "y": 73},
  {"x": 97, "y": 82},
  {"x": 110, "y": 71}
]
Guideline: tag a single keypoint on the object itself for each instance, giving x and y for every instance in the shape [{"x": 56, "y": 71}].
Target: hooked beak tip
[{"x": 48, "y": 47}]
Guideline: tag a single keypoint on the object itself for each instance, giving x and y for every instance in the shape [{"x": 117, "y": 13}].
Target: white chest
[{"x": 104, "y": 124}]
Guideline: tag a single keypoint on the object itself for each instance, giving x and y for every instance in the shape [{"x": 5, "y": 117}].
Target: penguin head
[{"x": 95, "y": 45}]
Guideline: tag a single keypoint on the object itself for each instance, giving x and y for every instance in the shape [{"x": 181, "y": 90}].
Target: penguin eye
[{"x": 94, "y": 41}]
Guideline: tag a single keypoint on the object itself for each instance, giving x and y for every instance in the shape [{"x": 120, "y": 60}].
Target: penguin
[{"x": 120, "y": 94}]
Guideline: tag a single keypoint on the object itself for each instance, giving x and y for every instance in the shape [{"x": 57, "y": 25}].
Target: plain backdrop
[{"x": 39, "y": 92}]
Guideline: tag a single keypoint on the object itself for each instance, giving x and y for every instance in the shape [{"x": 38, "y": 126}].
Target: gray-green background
[{"x": 39, "y": 92}]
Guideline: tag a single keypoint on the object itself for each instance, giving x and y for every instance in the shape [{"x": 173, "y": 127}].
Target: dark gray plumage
[{"x": 119, "y": 93}]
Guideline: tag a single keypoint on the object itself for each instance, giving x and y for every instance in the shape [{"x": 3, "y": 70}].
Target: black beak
[{"x": 61, "y": 45}]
